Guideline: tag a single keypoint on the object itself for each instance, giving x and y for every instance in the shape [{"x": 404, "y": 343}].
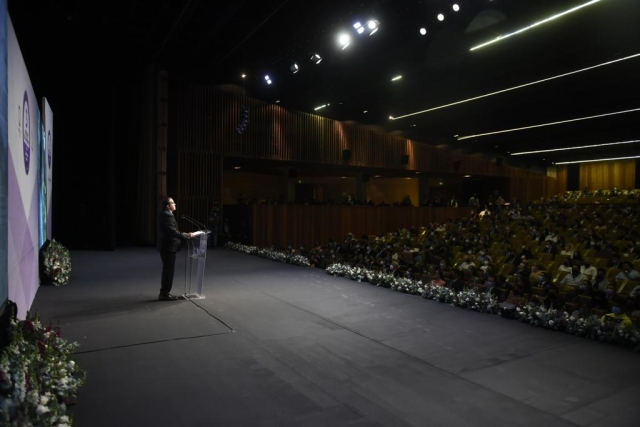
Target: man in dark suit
[{"x": 169, "y": 241}]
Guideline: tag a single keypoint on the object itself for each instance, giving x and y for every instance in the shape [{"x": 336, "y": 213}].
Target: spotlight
[
  {"x": 359, "y": 28},
  {"x": 294, "y": 67},
  {"x": 344, "y": 39},
  {"x": 373, "y": 26},
  {"x": 315, "y": 57},
  {"x": 423, "y": 31},
  {"x": 456, "y": 7},
  {"x": 440, "y": 17},
  {"x": 267, "y": 79}
]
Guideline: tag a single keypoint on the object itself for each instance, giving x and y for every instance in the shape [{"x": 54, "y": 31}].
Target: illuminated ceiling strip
[
  {"x": 598, "y": 160},
  {"x": 497, "y": 39},
  {"x": 547, "y": 124},
  {"x": 320, "y": 107},
  {"x": 517, "y": 87},
  {"x": 575, "y": 148}
]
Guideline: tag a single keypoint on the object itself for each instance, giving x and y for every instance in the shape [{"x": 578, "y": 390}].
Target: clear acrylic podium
[{"x": 196, "y": 256}]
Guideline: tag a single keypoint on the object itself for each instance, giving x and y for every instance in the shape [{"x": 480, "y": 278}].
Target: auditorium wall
[{"x": 601, "y": 175}]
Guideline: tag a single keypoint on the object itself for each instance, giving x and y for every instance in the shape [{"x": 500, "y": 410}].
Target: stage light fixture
[
  {"x": 343, "y": 40},
  {"x": 267, "y": 79},
  {"x": 294, "y": 67},
  {"x": 396, "y": 78},
  {"x": 456, "y": 7},
  {"x": 315, "y": 57},
  {"x": 440, "y": 17},
  {"x": 373, "y": 25},
  {"x": 359, "y": 28},
  {"x": 423, "y": 31}
]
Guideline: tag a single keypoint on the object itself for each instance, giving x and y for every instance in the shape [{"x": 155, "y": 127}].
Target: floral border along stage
[
  {"x": 588, "y": 327},
  {"x": 57, "y": 263},
  {"x": 38, "y": 378}
]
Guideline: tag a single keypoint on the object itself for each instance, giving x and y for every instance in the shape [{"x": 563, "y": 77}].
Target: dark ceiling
[{"x": 215, "y": 42}]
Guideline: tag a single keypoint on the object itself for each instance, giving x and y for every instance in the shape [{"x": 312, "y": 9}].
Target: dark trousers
[{"x": 168, "y": 264}]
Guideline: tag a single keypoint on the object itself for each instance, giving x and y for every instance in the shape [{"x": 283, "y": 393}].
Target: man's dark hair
[{"x": 165, "y": 201}]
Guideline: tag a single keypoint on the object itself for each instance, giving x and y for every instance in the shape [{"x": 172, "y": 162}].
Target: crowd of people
[{"x": 559, "y": 255}]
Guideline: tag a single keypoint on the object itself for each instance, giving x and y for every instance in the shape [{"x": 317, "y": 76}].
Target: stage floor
[{"x": 278, "y": 345}]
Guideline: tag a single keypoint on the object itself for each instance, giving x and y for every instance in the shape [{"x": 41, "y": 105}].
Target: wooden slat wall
[
  {"x": 606, "y": 175},
  {"x": 532, "y": 188},
  {"x": 561, "y": 178},
  {"x": 279, "y": 225},
  {"x": 204, "y": 121}
]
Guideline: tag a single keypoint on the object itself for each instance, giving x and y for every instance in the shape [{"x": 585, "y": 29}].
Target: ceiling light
[
  {"x": 320, "y": 107},
  {"x": 344, "y": 39},
  {"x": 467, "y": 176},
  {"x": 277, "y": 101},
  {"x": 365, "y": 111},
  {"x": 519, "y": 86},
  {"x": 359, "y": 28},
  {"x": 423, "y": 31},
  {"x": 598, "y": 160},
  {"x": 237, "y": 167},
  {"x": 294, "y": 67},
  {"x": 396, "y": 78},
  {"x": 549, "y": 124},
  {"x": 497, "y": 39},
  {"x": 575, "y": 148},
  {"x": 456, "y": 7},
  {"x": 373, "y": 26},
  {"x": 267, "y": 79},
  {"x": 315, "y": 57},
  {"x": 244, "y": 75},
  {"x": 440, "y": 17}
]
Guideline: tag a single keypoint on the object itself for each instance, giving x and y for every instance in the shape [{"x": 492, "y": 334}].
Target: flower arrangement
[
  {"x": 535, "y": 315},
  {"x": 57, "y": 263},
  {"x": 38, "y": 378},
  {"x": 271, "y": 253}
]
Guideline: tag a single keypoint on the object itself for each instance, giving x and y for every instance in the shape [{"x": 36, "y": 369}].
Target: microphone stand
[{"x": 196, "y": 223}]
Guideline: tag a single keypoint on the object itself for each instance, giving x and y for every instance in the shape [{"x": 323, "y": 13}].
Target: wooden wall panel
[
  {"x": 606, "y": 175},
  {"x": 202, "y": 129},
  {"x": 279, "y": 225}
]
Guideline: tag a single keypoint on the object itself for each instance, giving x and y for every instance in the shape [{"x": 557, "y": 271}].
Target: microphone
[{"x": 196, "y": 223}]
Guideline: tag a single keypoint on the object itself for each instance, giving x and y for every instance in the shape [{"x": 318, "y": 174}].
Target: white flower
[{"x": 41, "y": 409}]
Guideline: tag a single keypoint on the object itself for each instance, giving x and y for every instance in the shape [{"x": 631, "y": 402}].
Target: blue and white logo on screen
[
  {"x": 49, "y": 149},
  {"x": 26, "y": 134}
]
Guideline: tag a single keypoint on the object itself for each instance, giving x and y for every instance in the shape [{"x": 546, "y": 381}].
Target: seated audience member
[
  {"x": 567, "y": 249},
  {"x": 617, "y": 316},
  {"x": 467, "y": 264},
  {"x": 514, "y": 300},
  {"x": 610, "y": 292},
  {"x": 438, "y": 280},
  {"x": 587, "y": 269},
  {"x": 600, "y": 282},
  {"x": 485, "y": 213},
  {"x": 574, "y": 278},
  {"x": 627, "y": 272},
  {"x": 566, "y": 266},
  {"x": 585, "y": 288},
  {"x": 456, "y": 283}
]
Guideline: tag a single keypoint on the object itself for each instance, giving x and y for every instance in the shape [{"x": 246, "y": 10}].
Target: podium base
[{"x": 192, "y": 296}]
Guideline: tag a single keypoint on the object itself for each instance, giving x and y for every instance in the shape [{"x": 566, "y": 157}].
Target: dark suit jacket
[{"x": 169, "y": 237}]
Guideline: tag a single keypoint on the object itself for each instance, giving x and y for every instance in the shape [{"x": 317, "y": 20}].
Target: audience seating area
[{"x": 519, "y": 244}]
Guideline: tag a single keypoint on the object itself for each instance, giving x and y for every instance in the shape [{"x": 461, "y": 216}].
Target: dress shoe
[{"x": 167, "y": 297}]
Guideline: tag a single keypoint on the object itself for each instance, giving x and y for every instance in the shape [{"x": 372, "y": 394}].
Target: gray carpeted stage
[{"x": 278, "y": 345}]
